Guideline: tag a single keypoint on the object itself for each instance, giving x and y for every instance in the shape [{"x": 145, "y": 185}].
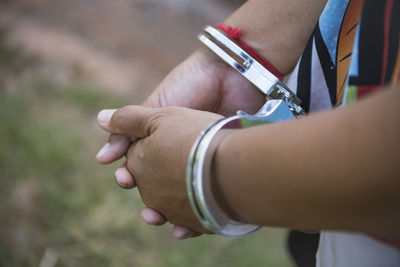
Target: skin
[
  {"x": 338, "y": 171},
  {"x": 154, "y": 171},
  {"x": 203, "y": 82},
  {"x": 353, "y": 186}
]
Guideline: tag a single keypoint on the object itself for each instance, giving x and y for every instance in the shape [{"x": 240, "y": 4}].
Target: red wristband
[{"x": 235, "y": 34}]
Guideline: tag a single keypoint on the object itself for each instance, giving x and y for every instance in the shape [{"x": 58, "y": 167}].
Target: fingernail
[
  {"x": 123, "y": 178},
  {"x": 152, "y": 217},
  {"x": 180, "y": 232},
  {"x": 148, "y": 216},
  {"x": 103, "y": 150},
  {"x": 105, "y": 115}
]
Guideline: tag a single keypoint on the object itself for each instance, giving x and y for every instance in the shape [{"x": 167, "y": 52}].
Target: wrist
[
  {"x": 198, "y": 182},
  {"x": 235, "y": 34},
  {"x": 278, "y": 30},
  {"x": 212, "y": 64},
  {"x": 218, "y": 180}
]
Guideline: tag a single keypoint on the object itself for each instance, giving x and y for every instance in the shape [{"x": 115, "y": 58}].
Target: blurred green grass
[{"x": 56, "y": 201}]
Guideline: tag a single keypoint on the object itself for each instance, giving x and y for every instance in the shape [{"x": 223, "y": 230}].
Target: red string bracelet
[{"x": 235, "y": 34}]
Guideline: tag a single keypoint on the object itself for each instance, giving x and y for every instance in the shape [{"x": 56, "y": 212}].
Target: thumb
[{"x": 132, "y": 120}]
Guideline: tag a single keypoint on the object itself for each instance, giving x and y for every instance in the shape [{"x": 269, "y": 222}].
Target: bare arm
[
  {"x": 278, "y": 30},
  {"x": 334, "y": 170}
]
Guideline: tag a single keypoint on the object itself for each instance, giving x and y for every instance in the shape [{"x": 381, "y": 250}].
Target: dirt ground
[{"x": 124, "y": 45}]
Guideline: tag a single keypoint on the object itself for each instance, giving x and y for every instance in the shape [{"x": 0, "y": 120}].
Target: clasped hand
[
  {"x": 157, "y": 159},
  {"x": 200, "y": 82}
]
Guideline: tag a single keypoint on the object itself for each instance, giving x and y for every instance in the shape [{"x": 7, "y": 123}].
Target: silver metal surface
[
  {"x": 198, "y": 174},
  {"x": 202, "y": 200},
  {"x": 282, "y": 104},
  {"x": 262, "y": 78}
]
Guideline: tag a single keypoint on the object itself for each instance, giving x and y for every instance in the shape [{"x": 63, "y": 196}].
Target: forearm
[
  {"x": 278, "y": 30},
  {"x": 333, "y": 170}
]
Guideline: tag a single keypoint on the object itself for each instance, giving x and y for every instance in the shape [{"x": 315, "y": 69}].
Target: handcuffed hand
[
  {"x": 200, "y": 82},
  {"x": 158, "y": 158}
]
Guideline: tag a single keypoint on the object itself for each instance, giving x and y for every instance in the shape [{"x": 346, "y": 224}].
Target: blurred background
[{"x": 60, "y": 63}]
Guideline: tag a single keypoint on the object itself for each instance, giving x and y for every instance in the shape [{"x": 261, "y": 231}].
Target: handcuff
[{"x": 281, "y": 104}]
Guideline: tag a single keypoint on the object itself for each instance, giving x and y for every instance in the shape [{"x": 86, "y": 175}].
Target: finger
[
  {"x": 114, "y": 149},
  {"x": 130, "y": 120},
  {"x": 153, "y": 217},
  {"x": 181, "y": 232},
  {"x": 134, "y": 163},
  {"x": 124, "y": 178}
]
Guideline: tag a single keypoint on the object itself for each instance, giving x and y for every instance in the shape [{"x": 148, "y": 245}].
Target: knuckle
[
  {"x": 153, "y": 121},
  {"x": 121, "y": 119}
]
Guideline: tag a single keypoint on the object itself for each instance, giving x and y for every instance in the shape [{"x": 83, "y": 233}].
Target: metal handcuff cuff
[{"x": 281, "y": 104}]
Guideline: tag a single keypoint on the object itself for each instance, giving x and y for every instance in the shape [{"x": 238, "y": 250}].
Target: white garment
[{"x": 339, "y": 249}]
